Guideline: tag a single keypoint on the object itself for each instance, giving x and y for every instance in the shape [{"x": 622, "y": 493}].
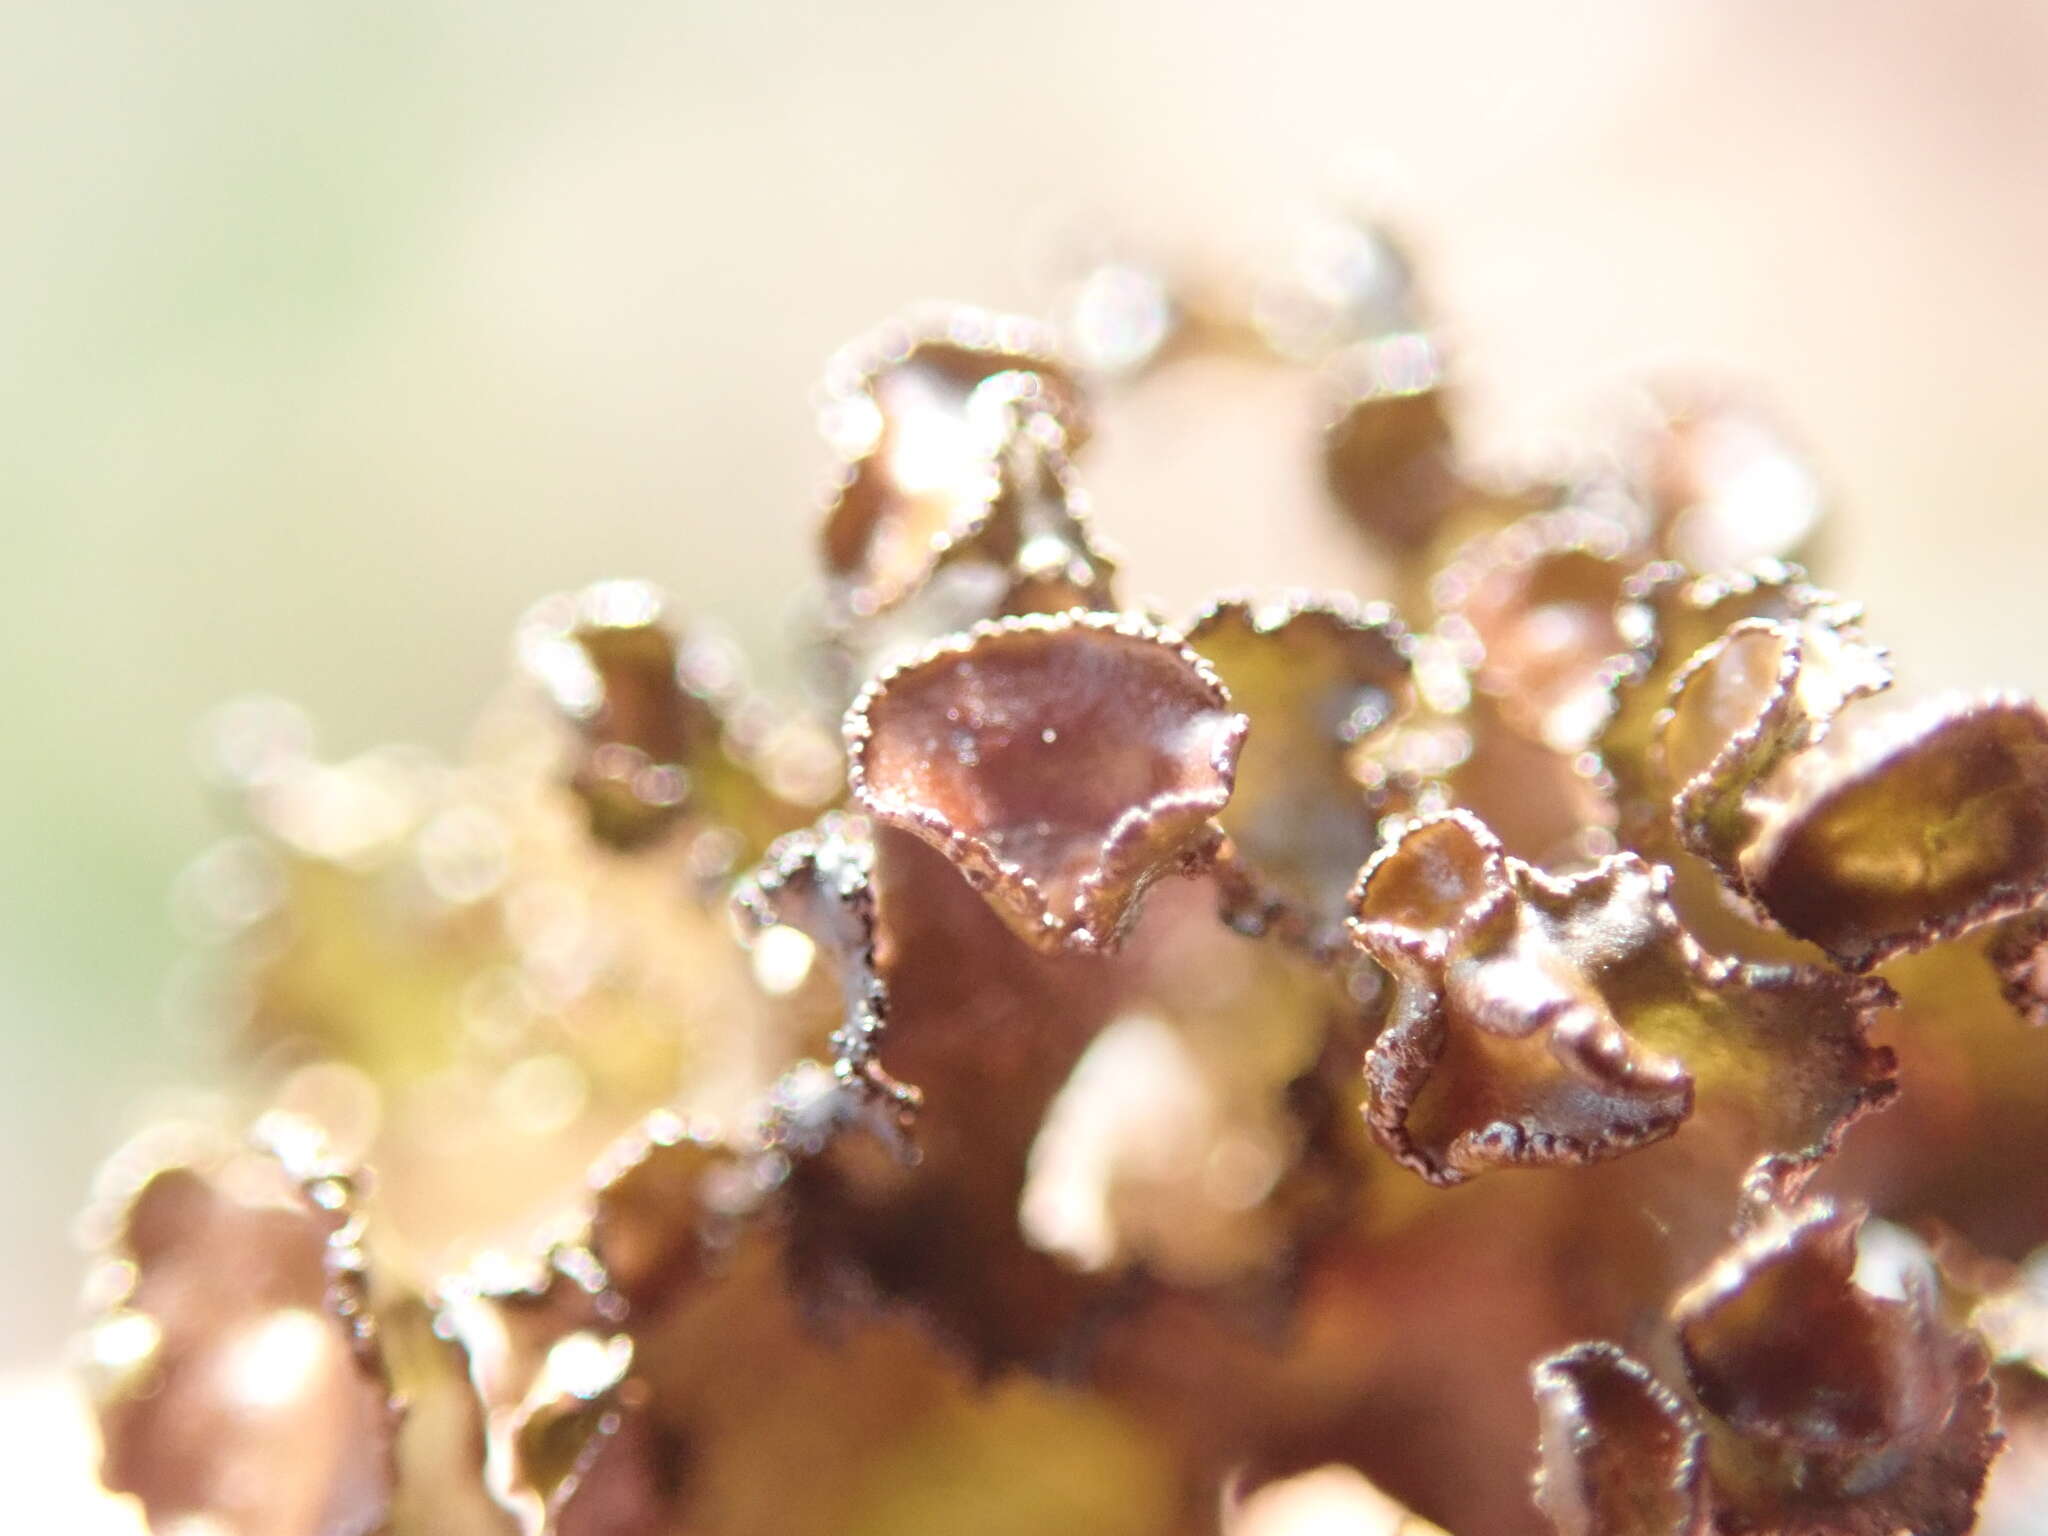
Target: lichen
[{"x": 1076, "y": 1074}]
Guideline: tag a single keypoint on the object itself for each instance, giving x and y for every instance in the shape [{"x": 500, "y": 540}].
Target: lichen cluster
[{"x": 1547, "y": 1049}]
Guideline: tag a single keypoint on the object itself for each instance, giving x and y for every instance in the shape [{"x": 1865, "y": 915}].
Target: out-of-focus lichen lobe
[
  {"x": 1831, "y": 1407},
  {"x": 1620, "y": 1456},
  {"x": 239, "y": 1377},
  {"x": 659, "y": 741},
  {"x": 1319, "y": 681}
]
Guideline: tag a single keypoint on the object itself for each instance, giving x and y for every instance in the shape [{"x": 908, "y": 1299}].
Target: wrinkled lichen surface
[{"x": 1543, "y": 1045}]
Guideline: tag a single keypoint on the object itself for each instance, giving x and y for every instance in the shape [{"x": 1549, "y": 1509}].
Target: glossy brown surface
[
  {"x": 246, "y": 1387},
  {"x": 1918, "y": 841},
  {"x": 1061, "y": 764}
]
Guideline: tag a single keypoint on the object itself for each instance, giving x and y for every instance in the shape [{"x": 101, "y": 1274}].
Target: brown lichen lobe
[
  {"x": 1503, "y": 1047},
  {"x": 2018, "y": 953},
  {"x": 1920, "y": 837},
  {"x": 1018, "y": 540},
  {"x": 1780, "y": 1343},
  {"x": 1320, "y": 679},
  {"x": 1389, "y": 453},
  {"x": 906, "y": 407},
  {"x": 1536, "y": 604},
  {"x": 1561, "y": 1019},
  {"x": 820, "y": 882},
  {"x": 240, "y": 1378},
  {"x": 1744, "y": 708},
  {"x": 658, "y": 744},
  {"x": 1837, "y": 1409},
  {"x": 1062, "y": 763},
  {"x": 1668, "y": 614},
  {"x": 1620, "y": 1455},
  {"x": 1814, "y": 1405}
]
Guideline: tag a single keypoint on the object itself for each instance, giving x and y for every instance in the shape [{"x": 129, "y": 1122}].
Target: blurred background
[{"x": 332, "y": 335}]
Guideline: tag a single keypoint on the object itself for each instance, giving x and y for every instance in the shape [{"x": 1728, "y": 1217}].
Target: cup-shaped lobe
[
  {"x": 1510, "y": 1042},
  {"x": 1940, "y": 832},
  {"x": 1620, "y": 1456},
  {"x": 1746, "y": 707},
  {"x": 1781, "y": 1343},
  {"x": 1061, "y": 763},
  {"x": 1833, "y": 1408},
  {"x": 1541, "y": 1019},
  {"x": 1445, "y": 877},
  {"x": 1667, "y": 616},
  {"x": 903, "y": 405},
  {"x": 1317, "y": 677}
]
